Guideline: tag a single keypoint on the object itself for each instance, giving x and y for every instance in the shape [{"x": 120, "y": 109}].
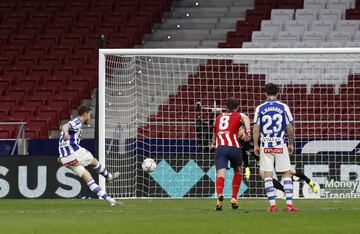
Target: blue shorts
[{"x": 224, "y": 154}]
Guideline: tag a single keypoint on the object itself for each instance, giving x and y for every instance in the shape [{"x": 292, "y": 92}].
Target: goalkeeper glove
[{"x": 247, "y": 174}]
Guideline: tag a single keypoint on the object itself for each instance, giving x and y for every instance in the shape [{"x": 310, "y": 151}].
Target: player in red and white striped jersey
[{"x": 226, "y": 135}]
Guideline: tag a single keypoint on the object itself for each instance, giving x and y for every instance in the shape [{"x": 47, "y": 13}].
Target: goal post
[{"x": 160, "y": 103}]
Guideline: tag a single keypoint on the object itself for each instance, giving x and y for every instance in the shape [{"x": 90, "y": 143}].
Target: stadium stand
[
  {"x": 282, "y": 23},
  {"x": 49, "y": 54},
  {"x": 48, "y": 48}
]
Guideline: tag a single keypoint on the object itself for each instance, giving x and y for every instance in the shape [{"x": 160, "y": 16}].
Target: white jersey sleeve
[
  {"x": 75, "y": 124},
  {"x": 257, "y": 116},
  {"x": 288, "y": 116}
]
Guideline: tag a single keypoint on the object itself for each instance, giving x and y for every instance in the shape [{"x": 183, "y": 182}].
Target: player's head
[
  {"x": 271, "y": 90},
  {"x": 231, "y": 104},
  {"x": 84, "y": 112}
]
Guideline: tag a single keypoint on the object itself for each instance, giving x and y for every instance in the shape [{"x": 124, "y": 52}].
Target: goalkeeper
[{"x": 248, "y": 151}]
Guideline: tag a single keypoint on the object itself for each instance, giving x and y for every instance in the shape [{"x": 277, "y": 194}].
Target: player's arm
[
  {"x": 245, "y": 119},
  {"x": 213, "y": 140},
  {"x": 289, "y": 129},
  {"x": 256, "y": 134},
  {"x": 290, "y": 136},
  {"x": 65, "y": 129}
]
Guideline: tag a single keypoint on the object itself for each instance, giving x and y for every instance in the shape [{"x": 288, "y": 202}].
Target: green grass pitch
[{"x": 175, "y": 216}]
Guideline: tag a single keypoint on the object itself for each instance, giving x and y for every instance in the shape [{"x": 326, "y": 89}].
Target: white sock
[
  {"x": 94, "y": 187},
  {"x": 270, "y": 190},
  {"x": 288, "y": 188}
]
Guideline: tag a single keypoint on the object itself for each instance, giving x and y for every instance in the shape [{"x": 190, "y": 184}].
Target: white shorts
[
  {"x": 78, "y": 160},
  {"x": 278, "y": 155}
]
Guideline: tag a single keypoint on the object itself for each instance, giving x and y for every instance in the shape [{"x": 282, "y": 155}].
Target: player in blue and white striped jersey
[
  {"x": 272, "y": 120},
  {"x": 76, "y": 158}
]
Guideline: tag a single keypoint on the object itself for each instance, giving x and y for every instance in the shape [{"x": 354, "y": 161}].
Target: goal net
[{"x": 161, "y": 104}]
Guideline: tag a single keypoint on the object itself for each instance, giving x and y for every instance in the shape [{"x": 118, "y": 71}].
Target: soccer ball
[{"x": 148, "y": 165}]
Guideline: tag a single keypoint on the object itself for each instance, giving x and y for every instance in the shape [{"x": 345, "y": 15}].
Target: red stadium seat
[
  {"x": 32, "y": 132},
  {"x": 31, "y": 28},
  {"x": 91, "y": 17},
  {"x": 40, "y": 17},
  {"x": 52, "y": 6},
  {"x": 76, "y": 60},
  {"x": 134, "y": 30},
  {"x": 120, "y": 40},
  {"x": 5, "y": 134},
  {"x": 117, "y": 17},
  {"x": 27, "y": 60},
  {"x": 7, "y": 7},
  {"x": 12, "y": 50},
  {"x": 66, "y": 17},
  {"x": 73, "y": 95},
  {"x": 144, "y": 20},
  {"x": 6, "y": 29},
  {"x": 23, "y": 110},
  {"x": 29, "y": 7},
  {"x": 61, "y": 50},
  {"x": 21, "y": 39},
  {"x": 65, "y": 70},
  {"x": 77, "y": 5},
  {"x": 71, "y": 39},
  {"x": 44, "y": 91},
  {"x": 35, "y": 101},
  {"x": 105, "y": 28},
  {"x": 10, "y": 100},
  {"x": 58, "y": 28},
  {"x": 19, "y": 90},
  {"x": 40, "y": 70},
  {"x": 4, "y": 61},
  {"x": 14, "y": 18},
  {"x": 101, "y": 6},
  {"x": 82, "y": 27},
  {"x": 50, "y": 60},
  {"x": 63, "y": 103},
  {"x": 48, "y": 38},
  {"x": 42, "y": 122},
  {"x": 54, "y": 119},
  {"x": 55, "y": 80},
  {"x": 88, "y": 69},
  {"x": 4, "y": 111},
  {"x": 88, "y": 50},
  {"x": 29, "y": 80},
  {"x": 37, "y": 50},
  {"x": 17, "y": 70},
  {"x": 4, "y": 39}
]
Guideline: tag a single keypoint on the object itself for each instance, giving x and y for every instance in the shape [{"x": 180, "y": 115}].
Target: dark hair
[
  {"x": 271, "y": 89},
  {"x": 232, "y": 104},
  {"x": 82, "y": 110}
]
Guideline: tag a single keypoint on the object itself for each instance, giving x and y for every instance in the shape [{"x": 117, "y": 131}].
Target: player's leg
[
  {"x": 100, "y": 169},
  {"x": 221, "y": 163},
  {"x": 87, "y": 159},
  {"x": 302, "y": 176},
  {"x": 267, "y": 167},
  {"x": 282, "y": 163},
  {"x": 278, "y": 185},
  {"x": 93, "y": 186},
  {"x": 235, "y": 158}
]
